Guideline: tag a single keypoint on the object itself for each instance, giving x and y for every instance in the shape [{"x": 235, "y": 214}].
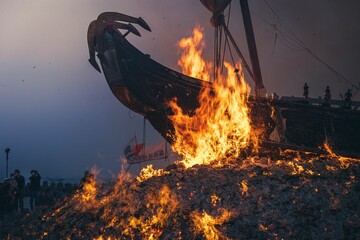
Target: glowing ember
[
  {"x": 214, "y": 200},
  {"x": 220, "y": 127},
  {"x": 244, "y": 188},
  {"x": 296, "y": 168},
  {"x": 149, "y": 172},
  {"x": 266, "y": 230}
]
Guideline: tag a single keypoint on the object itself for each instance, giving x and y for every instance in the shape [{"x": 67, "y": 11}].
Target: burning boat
[
  {"x": 269, "y": 194},
  {"x": 147, "y": 87}
]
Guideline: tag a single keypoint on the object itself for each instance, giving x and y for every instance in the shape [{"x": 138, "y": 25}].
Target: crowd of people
[
  {"x": 14, "y": 189},
  {"x": 12, "y": 192}
]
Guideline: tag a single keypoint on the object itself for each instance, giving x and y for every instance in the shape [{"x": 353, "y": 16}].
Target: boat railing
[{"x": 355, "y": 105}]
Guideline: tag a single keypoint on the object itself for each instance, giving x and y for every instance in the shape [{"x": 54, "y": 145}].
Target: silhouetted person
[
  {"x": 20, "y": 189},
  {"x": 13, "y": 184},
  {"x": 327, "y": 97},
  {"x": 347, "y": 100},
  {"x": 7, "y": 197},
  {"x": 275, "y": 96},
  {"x": 306, "y": 91},
  {"x": 35, "y": 188}
]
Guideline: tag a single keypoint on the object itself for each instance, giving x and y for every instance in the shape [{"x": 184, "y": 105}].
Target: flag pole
[{"x": 144, "y": 127}]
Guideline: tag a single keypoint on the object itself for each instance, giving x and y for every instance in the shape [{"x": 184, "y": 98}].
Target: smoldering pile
[{"x": 290, "y": 195}]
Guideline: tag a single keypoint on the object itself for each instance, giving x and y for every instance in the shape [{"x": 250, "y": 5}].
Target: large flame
[{"x": 221, "y": 126}]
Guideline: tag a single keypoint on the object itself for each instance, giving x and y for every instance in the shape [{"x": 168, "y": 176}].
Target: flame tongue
[
  {"x": 191, "y": 61},
  {"x": 220, "y": 127}
]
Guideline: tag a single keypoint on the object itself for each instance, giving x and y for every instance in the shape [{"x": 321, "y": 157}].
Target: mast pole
[{"x": 250, "y": 37}]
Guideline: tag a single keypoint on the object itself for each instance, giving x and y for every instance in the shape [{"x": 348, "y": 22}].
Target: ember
[{"x": 149, "y": 172}]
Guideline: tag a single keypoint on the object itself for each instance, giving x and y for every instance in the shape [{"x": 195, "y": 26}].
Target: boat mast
[
  {"x": 250, "y": 37},
  {"x": 217, "y": 7}
]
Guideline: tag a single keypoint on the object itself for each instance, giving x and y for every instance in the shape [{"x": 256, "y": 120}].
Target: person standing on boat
[
  {"x": 347, "y": 100},
  {"x": 327, "y": 97},
  {"x": 306, "y": 91}
]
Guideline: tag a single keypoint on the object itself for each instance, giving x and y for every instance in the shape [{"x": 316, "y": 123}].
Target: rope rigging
[
  {"x": 220, "y": 44},
  {"x": 293, "y": 42}
]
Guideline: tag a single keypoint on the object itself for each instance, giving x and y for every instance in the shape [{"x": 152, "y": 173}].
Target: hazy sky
[{"x": 58, "y": 114}]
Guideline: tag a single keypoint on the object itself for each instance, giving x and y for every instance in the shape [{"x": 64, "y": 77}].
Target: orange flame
[
  {"x": 207, "y": 224},
  {"x": 245, "y": 188},
  {"x": 148, "y": 172},
  {"x": 86, "y": 197},
  {"x": 344, "y": 161},
  {"x": 161, "y": 207},
  {"x": 221, "y": 126},
  {"x": 191, "y": 61}
]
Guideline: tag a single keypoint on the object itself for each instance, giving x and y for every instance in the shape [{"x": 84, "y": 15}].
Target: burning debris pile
[{"x": 278, "y": 194}]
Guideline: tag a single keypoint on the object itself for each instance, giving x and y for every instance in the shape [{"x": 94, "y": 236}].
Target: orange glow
[{"x": 220, "y": 127}]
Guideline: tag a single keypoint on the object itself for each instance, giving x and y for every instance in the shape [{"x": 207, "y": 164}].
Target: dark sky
[{"x": 57, "y": 113}]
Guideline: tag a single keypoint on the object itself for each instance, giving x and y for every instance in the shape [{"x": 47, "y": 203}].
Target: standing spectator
[
  {"x": 347, "y": 101},
  {"x": 7, "y": 197},
  {"x": 327, "y": 97},
  {"x": 34, "y": 188},
  {"x": 13, "y": 186},
  {"x": 306, "y": 91},
  {"x": 20, "y": 189}
]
